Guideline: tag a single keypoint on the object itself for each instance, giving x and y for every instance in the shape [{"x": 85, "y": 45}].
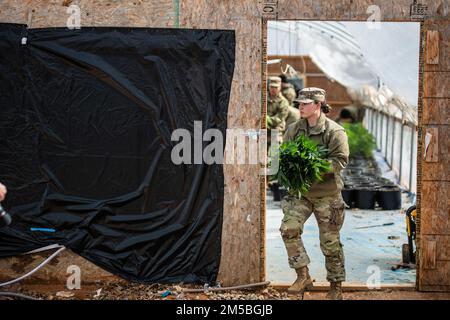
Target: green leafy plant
[
  {"x": 360, "y": 141},
  {"x": 302, "y": 162}
]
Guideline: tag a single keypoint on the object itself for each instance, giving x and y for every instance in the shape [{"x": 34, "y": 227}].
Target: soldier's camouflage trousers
[{"x": 329, "y": 212}]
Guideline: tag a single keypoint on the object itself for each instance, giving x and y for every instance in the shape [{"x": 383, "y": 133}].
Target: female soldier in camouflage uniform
[{"x": 324, "y": 197}]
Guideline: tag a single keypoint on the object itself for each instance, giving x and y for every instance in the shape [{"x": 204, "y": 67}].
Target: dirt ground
[{"x": 132, "y": 291}]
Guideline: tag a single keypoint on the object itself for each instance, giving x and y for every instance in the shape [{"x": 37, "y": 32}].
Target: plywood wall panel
[
  {"x": 436, "y": 165},
  {"x": 435, "y": 260},
  {"x": 436, "y": 84},
  {"x": 435, "y": 195},
  {"x": 356, "y": 9},
  {"x": 435, "y": 220},
  {"x": 437, "y": 279},
  {"x": 53, "y": 13},
  {"x": 435, "y": 210},
  {"x": 241, "y": 243},
  {"x": 436, "y": 111},
  {"x": 443, "y": 247},
  {"x": 55, "y": 272},
  {"x": 442, "y": 26},
  {"x": 432, "y": 47},
  {"x": 428, "y": 253}
]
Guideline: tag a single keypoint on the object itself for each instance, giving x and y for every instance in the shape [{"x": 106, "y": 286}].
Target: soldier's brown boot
[
  {"x": 303, "y": 281},
  {"x": 335, "y": 292}
]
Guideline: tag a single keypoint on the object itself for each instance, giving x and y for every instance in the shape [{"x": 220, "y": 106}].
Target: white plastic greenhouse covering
[{"x": 379, "y": 66}]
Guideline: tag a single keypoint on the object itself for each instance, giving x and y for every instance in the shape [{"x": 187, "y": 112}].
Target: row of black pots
[
  {"x": 387, "y": 198},
  {"x": 278, "y": 192},
  {"x": 362, "y": 163},
  {"x": 364, "y": 187},
  {"x": 367, "y": 181},
  {"x": 371, "y": 179}
]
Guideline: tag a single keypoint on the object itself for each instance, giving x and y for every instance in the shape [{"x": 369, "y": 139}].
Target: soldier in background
[
  {"x": 277, "y": 112},
  {"x": 287, "y": 89},
  {"x": 348, "y": 114},
  {"x": 277, "y": 107}
]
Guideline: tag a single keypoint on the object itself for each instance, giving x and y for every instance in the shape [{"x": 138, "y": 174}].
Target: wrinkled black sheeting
[{"x": 86, "y": 118}]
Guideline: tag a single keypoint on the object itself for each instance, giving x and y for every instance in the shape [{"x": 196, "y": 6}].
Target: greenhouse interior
[{"x": 370, "y": 74}]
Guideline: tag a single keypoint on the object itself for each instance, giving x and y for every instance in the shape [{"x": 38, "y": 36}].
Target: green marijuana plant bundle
[
  {"x": 302, "y": 162},
  {"x": 360, "y": 141}
]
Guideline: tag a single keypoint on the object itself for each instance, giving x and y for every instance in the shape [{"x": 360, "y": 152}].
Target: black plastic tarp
[{"x": 86, "y": 118}]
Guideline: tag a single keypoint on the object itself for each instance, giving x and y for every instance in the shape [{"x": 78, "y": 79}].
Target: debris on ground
[
  {"x": 65, "y": 294},
  {"x": 166, "y": 293},
  {"x": 123, "y": 290},
  {"x": 377, "y": 225},
  {"x": 98, "y": 293}
]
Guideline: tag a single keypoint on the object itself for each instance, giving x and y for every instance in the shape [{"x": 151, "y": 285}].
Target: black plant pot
[
  {"x": 349, "y": 197},
  {"x": 365, "y": 199},
  {"x": 276, "y": 192},
  {"x": 283, "y": 192},
  {"x": 389, "y": 198}
]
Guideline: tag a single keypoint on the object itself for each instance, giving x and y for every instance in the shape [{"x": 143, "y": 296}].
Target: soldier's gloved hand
[{"x": 269, "y": 122}]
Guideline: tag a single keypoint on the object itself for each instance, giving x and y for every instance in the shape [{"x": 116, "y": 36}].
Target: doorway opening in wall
[{"x": 369, "y": 72}]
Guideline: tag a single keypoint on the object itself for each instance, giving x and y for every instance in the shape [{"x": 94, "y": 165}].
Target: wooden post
[{"x": 263, "y": 183}]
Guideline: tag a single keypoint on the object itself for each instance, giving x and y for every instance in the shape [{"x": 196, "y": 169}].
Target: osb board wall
[
  {"x": 243, "y": 229},
  {"x": 56, "y": 272},
  {"x": 242, "y": 261},
  {"x": 119, "y": 13},
  {"x": 434, "y": 251}
]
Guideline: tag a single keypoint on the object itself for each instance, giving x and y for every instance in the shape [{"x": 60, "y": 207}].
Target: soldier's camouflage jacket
[{"x": 331, "y": 135}]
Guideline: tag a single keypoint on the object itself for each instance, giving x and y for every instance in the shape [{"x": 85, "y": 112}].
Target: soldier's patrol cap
[
  {"x": 310, "y": 94},
  {"x": 275, "y": 82}
]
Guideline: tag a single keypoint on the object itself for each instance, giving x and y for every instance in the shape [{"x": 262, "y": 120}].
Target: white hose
[
  {"x": 243, "y": 286},
  {"x": 17, "y": 295},
  {"x": 49, "y": 247},
  {"x": 61, "y": 248}
]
